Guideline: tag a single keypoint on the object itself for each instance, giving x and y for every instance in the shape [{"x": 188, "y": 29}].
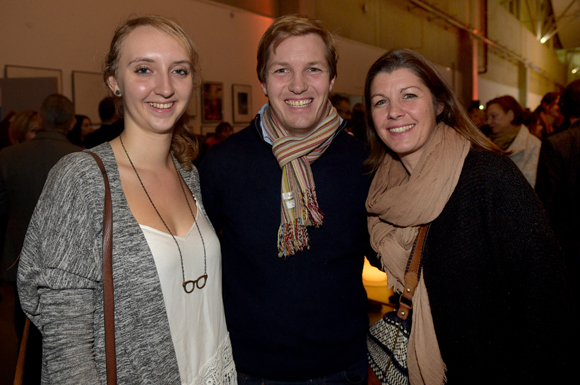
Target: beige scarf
[
  {"x": 504, "y": 139},
  {"x": 398, "y": 204}
]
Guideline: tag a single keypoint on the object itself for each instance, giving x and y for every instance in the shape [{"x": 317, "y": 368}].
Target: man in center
[{"x": 288, "y": 195}]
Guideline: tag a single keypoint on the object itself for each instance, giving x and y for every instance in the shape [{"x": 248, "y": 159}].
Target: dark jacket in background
[
  {"x": 558, "y": 185},
  {"x": 23, "y": 171},
  {"x": 105, "y": 133}
]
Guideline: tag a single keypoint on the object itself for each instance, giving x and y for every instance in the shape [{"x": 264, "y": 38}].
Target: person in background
[
  {"x": 4, "y": 127},
  {"x": 24, "y": 169},
  {"x": 82, "y": 128},
  {"x": 170, "y": 326},
  {"x": 287, "y": 193},
  {"x": 558, "y": 184},
  {"x": 490, "y": 260},
  {"x": 342, "y": 105},
  {"x": 505, "y": 118},
  {"x": 478, "y": 117},
  {"x": 222, "y": 132},
  {"x": 359, "y": 123},
  {"x": 24, "y": 127},
  {"x": 547, "y": 118},
  {"x": 111, "y": 124}
]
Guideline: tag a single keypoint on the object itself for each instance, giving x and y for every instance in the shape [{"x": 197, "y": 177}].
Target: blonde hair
[{"x": 184, "y": 144}]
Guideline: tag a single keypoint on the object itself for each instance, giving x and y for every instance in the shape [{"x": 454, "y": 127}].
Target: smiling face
[
  {"x": 403, "y": 113},
  {"x": 298, "y": 83},
  {"x": 154, "y": 77},
  {"x": 499, "y": 120}
]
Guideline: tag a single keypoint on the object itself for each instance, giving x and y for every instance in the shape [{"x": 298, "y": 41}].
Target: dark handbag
[
  {"x": 108, "y": 303},
  {"x": 388, "y": 339}
]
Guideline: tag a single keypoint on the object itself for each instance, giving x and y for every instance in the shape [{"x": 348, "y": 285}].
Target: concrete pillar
[{"x": 523, "y": 80}]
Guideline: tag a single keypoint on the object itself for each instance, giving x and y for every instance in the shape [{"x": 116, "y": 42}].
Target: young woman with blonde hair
[{"x": 169, "y": 320}]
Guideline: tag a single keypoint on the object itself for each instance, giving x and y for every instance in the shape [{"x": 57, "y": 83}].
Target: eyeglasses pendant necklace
[{"x": 202, "y": 278}]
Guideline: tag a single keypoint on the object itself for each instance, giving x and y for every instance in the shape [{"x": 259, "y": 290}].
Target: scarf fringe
[
  {"x": 310, "y": 212},
  {"x": 292, "y": 238}
]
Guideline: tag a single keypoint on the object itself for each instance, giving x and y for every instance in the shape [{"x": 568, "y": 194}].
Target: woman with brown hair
[
  {"x": 547, "y": 118},
  {"x": 506, "y": 118},
  {"x": 490, "y": 259},
  {"x": 169, "y": 320},
  {"x": 23, "y": 127},
  {"x": 81, "y": 129}
]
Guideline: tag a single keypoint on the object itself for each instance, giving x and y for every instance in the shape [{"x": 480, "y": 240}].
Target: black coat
[
  {"x": 495, "y": 278},
  {"x": 558, "y": 186}
]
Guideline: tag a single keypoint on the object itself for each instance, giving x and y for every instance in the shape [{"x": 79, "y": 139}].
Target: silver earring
[{"x": 118, "y": 92}]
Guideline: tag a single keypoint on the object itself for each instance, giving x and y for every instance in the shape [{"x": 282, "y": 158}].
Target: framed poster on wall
[
  {"x": 242, "y": 103},
  {"x": 212, "y": 102},
  {"x": 15, "y": 71},
  {"x": 88, "y": 91}
]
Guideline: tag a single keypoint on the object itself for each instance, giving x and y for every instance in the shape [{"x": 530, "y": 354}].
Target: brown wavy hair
[
  {"x": 453, "y": 113},
  {"x": 184, "y": 143}
]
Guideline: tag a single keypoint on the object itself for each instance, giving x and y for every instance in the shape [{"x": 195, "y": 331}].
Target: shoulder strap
[
  {"x": 412, "y": 274},
  {"x": 109, "y": 316}
]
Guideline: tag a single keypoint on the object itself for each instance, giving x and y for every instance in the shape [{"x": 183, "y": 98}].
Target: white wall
[
  {"x": 74, "y": 35},
  {"x": 490, "y": 90},
  {"x": 353, "y": 63}
]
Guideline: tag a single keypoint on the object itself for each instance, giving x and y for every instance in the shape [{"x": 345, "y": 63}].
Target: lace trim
[{"x": 220, "y": 369}]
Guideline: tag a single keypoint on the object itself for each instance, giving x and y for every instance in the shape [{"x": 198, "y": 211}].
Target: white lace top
[{"x": 196, "y": 320}]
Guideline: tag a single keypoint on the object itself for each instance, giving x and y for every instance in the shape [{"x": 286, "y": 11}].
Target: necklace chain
[{"x": 202, "y": 280}]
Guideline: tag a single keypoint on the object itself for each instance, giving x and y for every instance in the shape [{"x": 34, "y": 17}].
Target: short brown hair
[
  {"x": 184, "y": 144},
  {"x": 57, "y": 113},
  {"x": 294, "y": 25},
  {"x": 509, "y": 103},
  {"x": 453, "y": 113}
]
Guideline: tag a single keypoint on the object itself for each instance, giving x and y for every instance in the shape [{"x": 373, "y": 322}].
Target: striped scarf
[{"x": 294, "y": 155}]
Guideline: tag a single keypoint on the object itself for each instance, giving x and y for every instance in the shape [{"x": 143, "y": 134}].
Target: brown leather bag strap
[
  {"x": 412, "y": 274},
  {"x": 109, "y": 305},
  {"x": 19, "y": 375}
]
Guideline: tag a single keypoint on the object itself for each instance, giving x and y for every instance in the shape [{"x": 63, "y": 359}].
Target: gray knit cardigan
[{"x": 60, "y": 280}]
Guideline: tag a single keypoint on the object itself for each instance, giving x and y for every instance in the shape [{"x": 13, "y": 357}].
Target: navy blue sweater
[{"x": 305, "y": 316}]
